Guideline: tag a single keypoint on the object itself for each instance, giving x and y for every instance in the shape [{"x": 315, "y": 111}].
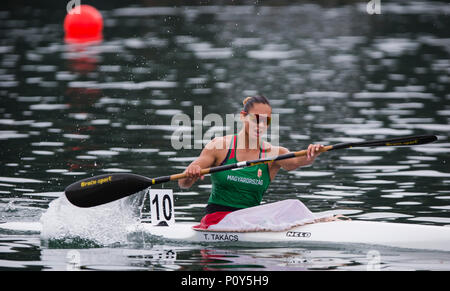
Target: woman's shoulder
[{"x": 220, "y": 142}]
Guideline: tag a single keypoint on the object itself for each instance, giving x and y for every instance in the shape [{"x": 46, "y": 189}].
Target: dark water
[{"x": 333, "y": 74}]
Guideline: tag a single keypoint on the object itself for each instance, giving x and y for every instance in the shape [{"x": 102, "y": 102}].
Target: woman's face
[{"x": 257, "y": 120}]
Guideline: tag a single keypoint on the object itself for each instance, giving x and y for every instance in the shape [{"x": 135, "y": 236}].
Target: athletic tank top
[{"x": 239, "y": 188}]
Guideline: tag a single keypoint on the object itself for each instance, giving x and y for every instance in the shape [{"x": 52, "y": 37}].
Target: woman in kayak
[{"x": 238, "y": 189}]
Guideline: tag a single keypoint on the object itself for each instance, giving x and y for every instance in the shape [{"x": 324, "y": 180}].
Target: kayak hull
[{"x": 399, "y": 235}]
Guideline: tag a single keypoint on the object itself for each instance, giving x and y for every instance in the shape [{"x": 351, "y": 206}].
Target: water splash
[{"x": 64, "y": 224}]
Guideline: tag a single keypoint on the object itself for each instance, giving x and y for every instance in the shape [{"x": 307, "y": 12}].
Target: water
[{"x": 333, "y": 73}]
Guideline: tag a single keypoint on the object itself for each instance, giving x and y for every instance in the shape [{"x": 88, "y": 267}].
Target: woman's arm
[{"x": 206, "y": 159}]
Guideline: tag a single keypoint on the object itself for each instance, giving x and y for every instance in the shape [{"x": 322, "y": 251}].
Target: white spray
[{"x": 104, "y": 225}]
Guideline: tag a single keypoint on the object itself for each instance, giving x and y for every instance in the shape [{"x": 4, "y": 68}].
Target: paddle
[{"x": 102, "y": 189}]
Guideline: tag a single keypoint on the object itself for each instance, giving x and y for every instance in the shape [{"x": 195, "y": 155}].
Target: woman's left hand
[{"x": 313, "y": 151}]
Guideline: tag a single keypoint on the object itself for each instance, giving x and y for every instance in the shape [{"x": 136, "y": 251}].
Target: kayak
[{"x": 397, "y": 235}]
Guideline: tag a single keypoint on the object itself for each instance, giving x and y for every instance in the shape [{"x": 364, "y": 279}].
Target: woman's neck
[{"x": 244, "y": 142}]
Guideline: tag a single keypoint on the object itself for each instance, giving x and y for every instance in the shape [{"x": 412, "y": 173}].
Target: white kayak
[
  {"x": 398, "y": 235},
  {"x": 341, "y": 232}
]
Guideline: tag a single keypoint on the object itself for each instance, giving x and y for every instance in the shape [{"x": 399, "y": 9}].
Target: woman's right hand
[
  {"x": 193, "y": 172},
  {"x": 192, "y": 175}
]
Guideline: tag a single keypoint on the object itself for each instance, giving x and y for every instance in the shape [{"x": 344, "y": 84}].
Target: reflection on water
[
  {"x": 28, "y": 253},
  {"x": 334, "y": 74}
]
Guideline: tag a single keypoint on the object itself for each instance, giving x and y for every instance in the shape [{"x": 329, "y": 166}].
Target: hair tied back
[{"x": 246, "y": 100}]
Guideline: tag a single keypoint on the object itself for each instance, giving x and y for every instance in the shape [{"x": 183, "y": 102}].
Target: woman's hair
[{"x": 250, "y": 101}]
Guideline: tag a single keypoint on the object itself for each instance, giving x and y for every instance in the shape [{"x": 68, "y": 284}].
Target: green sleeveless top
[{"x": 239, "y": 188}]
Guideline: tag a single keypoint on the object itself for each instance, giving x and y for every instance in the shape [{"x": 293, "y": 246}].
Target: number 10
[
  {"x": 166, "y": 206},
  {"x": 161, "y": 206}
]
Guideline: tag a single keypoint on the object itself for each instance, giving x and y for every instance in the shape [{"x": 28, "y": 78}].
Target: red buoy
[{"x": 83, "y": 24}]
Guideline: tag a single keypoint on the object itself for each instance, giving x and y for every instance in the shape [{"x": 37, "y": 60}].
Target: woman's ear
[{"x": 242, "y": 116}]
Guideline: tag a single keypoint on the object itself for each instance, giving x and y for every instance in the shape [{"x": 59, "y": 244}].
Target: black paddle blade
[
  {"x": 400, "y": 141},
  {"x": 102, "y": 189}
]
